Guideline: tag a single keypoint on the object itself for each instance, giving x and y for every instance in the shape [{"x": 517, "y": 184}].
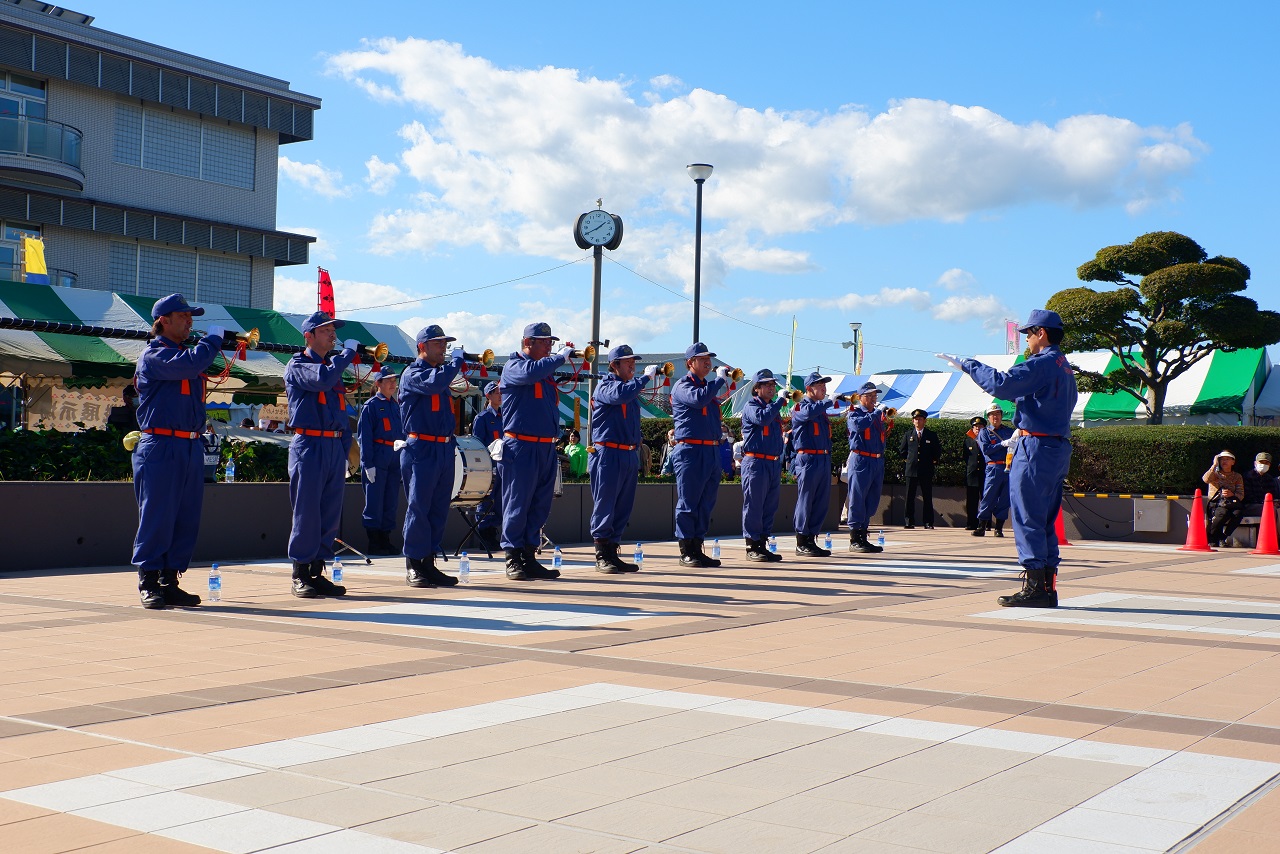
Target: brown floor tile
[
  {"x": 263, "y": 790},
  {"x": 348, "y": 807},
  {"x": 58, "y": 833},
  {"x": 639, "y": 820},
  {"x": 735, "y": 835},
  {"x": 548, "y": 839},
  {"x": 446, "y": 827},
  {"x": 538, "y": 801}
]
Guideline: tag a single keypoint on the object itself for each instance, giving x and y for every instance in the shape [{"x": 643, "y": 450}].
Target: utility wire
[{"x": 470, "y": 290}]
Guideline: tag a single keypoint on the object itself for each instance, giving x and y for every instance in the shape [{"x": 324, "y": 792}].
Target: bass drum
[{"x": 472, "y": 472}]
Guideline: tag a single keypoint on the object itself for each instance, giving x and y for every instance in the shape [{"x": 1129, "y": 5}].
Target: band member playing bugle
[
  {"x": 868, "y": 428},
  {"x": 378, "y": 431},
  {"x": 761, "y": 464},
  {"x": 487, "y": 427},
  {"x": 695, "y": 408},
  {"x": 811, "y": 437}
]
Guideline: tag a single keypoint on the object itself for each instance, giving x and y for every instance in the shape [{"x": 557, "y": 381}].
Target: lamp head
[{"x": 699, "y": 172}]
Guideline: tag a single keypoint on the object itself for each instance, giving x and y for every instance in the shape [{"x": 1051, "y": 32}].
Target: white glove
[
  {"x": 951, "y": 359},
  {"x": 651, "y": 372},
  {"x": 398, "y": 445},
  {"x": 371, "y": 475},
  {"x": 456, "y": 354},
  {"x": 567, "y": 352},
  {"x": 351, "y": 344},
  {"x": 1007, "y": 443},
  {"x": 723, "y": 372},
  {"x": 218, "y": 331}
]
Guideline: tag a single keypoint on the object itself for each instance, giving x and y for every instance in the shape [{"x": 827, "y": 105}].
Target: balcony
[
  {"x": 57, "y": 278},
  {"x": 40, "y": 151}
]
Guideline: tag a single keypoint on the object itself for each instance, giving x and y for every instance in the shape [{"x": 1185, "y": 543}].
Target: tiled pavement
[{"x": 877, "y": 704}]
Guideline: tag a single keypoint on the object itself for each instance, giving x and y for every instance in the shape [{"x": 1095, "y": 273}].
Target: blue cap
[
  {"x": 764, "y": 375},
  {"x": 815, "y": 378},
  {"x": 433, "y": 333},
  {"x": 868, "y": 387},
  {"x": 385, "y": 374},
  {"x": 490, "y": 389},
  {"x": 622, "y": 351},
  {"x": 698, "y": 349},
  {"x": 539, "y": 330},
  {"x": 318, "y": 319},
  {"x": 172, "y": 303},
  {"x": 1042, "y": 317}
]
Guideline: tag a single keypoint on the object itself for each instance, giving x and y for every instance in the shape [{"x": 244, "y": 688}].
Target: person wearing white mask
[{"x": 1260, "y": 481}]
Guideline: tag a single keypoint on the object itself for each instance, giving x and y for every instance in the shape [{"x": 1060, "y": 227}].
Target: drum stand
[
  {"x": 347, "y": 547},
  {"x": 472, "y": 531},
  {"x": 545, "y": 542}
]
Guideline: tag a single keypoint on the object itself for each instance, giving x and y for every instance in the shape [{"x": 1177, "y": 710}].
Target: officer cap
[
  {"x": 1042, "y": 317},
  {"x": 433, "y": 333},
  {"x": 539, "y": 330},
  {"x": 315, "y": 321},
  {"x": 815, "y": 378},
  {"x": 490, "y": 388},
  {"x": 764, "y": 375},
  {"x": 977, "y": 420},
  {"x": 698, "y": 349},
  {"x": 172, "y": 303},
  {"x": 868, "y": 388},
  {"x": 919, "y": 413},
  {"x": 622, "y": 351}
]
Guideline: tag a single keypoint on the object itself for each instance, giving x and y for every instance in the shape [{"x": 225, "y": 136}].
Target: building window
[
  {"x": 181, "y": 145},
  {"x": 157, "y": 271},
  {"x": 11, "y": 248}
]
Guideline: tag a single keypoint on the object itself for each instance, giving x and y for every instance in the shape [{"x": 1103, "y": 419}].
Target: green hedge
[{"x": 1160, "y": 459}]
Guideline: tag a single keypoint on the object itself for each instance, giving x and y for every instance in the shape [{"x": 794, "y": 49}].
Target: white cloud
[
  {"x": 315, "y": 177},
  {"x": 956, "y": 279},
  {"x": 666, "y": 81},
  {"x": 381, "y": 176},
  {"x": 299, "y": 296},
  {"x": 989, "y": 310}
]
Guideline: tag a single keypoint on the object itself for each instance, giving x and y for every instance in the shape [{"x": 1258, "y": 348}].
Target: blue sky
[{"x": 926, "y": 169}]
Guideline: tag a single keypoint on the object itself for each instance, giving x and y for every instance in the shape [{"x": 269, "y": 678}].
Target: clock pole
[{"x": 597, "y": 254}]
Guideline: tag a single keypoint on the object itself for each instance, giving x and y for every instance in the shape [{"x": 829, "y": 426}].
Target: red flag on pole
[{"x": 325, "y": 293}]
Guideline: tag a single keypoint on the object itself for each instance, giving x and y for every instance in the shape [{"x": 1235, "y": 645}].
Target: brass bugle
[
  {"x": 485, "y": 358},
  {"x": 667, "y": 369},
  {"x": 378, "y": 351},
  {"x": 588, "y": 353},
  {"x": 795, "y": 395},
  {"x": 736, "y": 374},
  {"x": 250, "y": 338},
  {"x": 889, "y": 411}
]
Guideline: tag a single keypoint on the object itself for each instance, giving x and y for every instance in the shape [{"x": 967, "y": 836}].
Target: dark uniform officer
[
  {"x": 1043, "y": 389},
  {"x": 614, "y": 466},
  {"x": 761, "y": 464},
  {"x": 168, "y": 462},
  {"x": 868, "y": 429},
  {"x": 377, "y": 431},
  {"x": 975, "y": 472},
  {"x": 427, "y": 459},
  {"x": 487, "y": 427},
  {"x": 530, "y": 427},
  {"x": 318, "y": 452},
  {"x": 696, "y": 410},
  {"x": 811, "y": 438},
  {"x": 922, "y": 451},
  {"x": 995, "y": 441}
]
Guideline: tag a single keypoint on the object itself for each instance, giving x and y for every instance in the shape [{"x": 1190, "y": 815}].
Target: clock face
[{"x": 597, "y": 228}]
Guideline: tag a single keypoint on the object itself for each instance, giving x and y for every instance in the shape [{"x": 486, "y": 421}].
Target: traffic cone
[
  {"x": 1197, "y": 538},
  {"x": 1060, "y": 527},
  {"x": 1267, "y": 529}
]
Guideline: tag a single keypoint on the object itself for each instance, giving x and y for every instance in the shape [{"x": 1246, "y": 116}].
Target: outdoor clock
[{"x": 598, "y": 228}]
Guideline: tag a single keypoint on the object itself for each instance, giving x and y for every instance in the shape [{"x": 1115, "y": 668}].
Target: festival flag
[
  {"x": 1011, "y": 337},
  {"x": 33, "y": 266},
  {"x": 325, "y": 293}
]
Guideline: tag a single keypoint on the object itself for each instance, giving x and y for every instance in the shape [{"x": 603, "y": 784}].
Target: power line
[{"x": 470, "y": 290}]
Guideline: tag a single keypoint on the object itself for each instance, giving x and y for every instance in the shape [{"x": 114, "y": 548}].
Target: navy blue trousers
[
  {"x": 614, "y": 473},
  {"x": 317, "y": 472},
  {"x": 761, "y": 485},
  {"x": 427, "y": 471},
  {"x": 1035, "y": 496},
  {"x": 995, "y": 494},
  {"x": 168, "y": 482},
  {"x": 382, "y": 497},
  {"x": 487, "y": 512},
  {"x": 813, "y": 491},
  {"x": 866, "y": 480},
  {"x": 528, "y": 478},
  {"x": 698, "y": 474}
]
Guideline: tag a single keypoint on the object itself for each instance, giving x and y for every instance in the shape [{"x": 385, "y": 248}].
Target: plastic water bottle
[
  {"x": 773, "y": 544},
  {"x": 880, "y": 539},
  {"x": 826, "y": 541},
  {"x": 715, "y": 549},
  {"x": 231, "y": 470},
  {"x": 337, "y": 571},
  {"x": 638, "y": 557},
  {"x": 464, "y": 569},
  {"x": 215, "y": 584},
  {"x": 557, "y": 559}
]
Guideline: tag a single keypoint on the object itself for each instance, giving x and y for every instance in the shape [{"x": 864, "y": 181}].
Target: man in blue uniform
[
  {"x": 695, "y": 407},
  {"x": 614, "y": 465},
  {"x": 318, "y": 452},
  {"x": 377, "y": 431},
  {"x": 761, "y": 464},
  {"x": 811, "y": 438},
  {"x": 1043, "y": 390},
  {"x": 995, "y": 440},
  {"x": 168, "y": 462},
  {"x": 427, "y": 459},
  {"x": 530, "y": 427},
  {"x": 868, "y": 429},
  {"x": 487, "y": 427}
]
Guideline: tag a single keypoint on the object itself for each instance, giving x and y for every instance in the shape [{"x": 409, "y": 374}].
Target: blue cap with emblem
[
  {"x": 1042, "y": 317},
  {"x": 172, "y": 303},
  {"x": 868, "y": 388},
  {"x": 695, "y": 350},
  {"x": 490, "y": 389},
  {"x": 539, "y": 330},
  {"x": 764, "y": 375},
  {"x": 815, "y": 378},
  {"x": 622, "y": 351},
  {"x": 433, "y": 333},
  {"x": 315, "y": 321},
  {"x": 385, "y": 373}
]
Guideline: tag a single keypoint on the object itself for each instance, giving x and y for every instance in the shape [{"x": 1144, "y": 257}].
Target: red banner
[{"x": 324, "y": 293}]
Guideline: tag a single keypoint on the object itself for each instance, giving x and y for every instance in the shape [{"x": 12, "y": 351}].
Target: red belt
[
  {"x": 697, "y": 441},
  {"x": 995, "y": 462},
  {"x": 427, "y": 437},
  {"x": 617, "y": 446},
  {"x": 759, "y": 456},
  {"x": 177, "y": 434},
  {"x": 385, "y": 442},
  {"x": 865, "y": 454},
  {"x": 326, "y": 434},
  {"x": 1042, "y": 435},
  {"x": 546, "y": 440},
  {"x": 807, "y": 451}
]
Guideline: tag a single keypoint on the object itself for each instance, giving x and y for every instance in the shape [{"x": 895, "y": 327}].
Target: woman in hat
[{"x": 1226, "y": 497}]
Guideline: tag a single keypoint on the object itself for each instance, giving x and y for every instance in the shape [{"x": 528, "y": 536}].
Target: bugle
[
  {"x": 736, "y": 374},
  {"x": 588, "y": 353},
  {"x": 795, "y": 395},
  {"x": 667, "y": 370},
  {"x": 889, "y": 411},
  {"x": 484, "y": 359},
  {"x": 378, "y": 352}
]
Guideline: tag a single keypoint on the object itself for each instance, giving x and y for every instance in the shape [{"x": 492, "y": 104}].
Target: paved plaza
[{"x": 877, "y": 704}]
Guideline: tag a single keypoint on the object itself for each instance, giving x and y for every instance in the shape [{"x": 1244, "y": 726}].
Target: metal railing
[
  {"x": 57, "y": 278},
  {"x": 48, "y": 140}
]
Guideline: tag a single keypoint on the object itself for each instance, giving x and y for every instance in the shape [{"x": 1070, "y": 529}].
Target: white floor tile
[
  {"x": 1136, "y": 831},
  {"x": 360, "y": 739},
  {"x": 606, "y": 691},
  {"x": 1024, "y": 742},
  {"x": 1037, "y": 842},
  {"x": 1129, "y": 800},
  {"x": 281, "y": 754},
  {"x": 351, "y": 842},
  {"x": 1116, "y": 754},
  {"x": 678, "y": 700},
  {"x": 833, "y": 718},
  {"x": 1247, "y": 770},
  {"x": 157, "y": 812},
  {"x": 243, "y": 832},
  {"x": 553, "y": 701},
  {"x": 753, "y": 709},
  {"x": 182, "y": 773},
  {"x": 926, "y": 730},
  {"x": 82, "y": 792}
]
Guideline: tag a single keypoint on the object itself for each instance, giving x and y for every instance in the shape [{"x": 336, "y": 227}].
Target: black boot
[
  {"x": 606, "y": 559},
  {"x": 532, "y": 568},
  {"x": 1000, "y": 528},
  {"x": 866, "y": 541},
  {"x": 150, "y": 591},
  {"x": 322, "y": 583},
  {"x": 303, "y": 585},
  {"x": 688, "y": 557},
  {"x": 515, "y": 565},
  {"x": 756, "y": 551},
  {"x": 1035, "y": 592},
  {"x": 435, "y": 576},
  {"x": 488, "y": 537},
  {"x": 175, "y": 596},
  {"x": 981, "y": 530},
  {"x": 770, "y": 556},
  {"x": 622, "y": 565},
  {"x": 415, "y": 573},
  {"x": 807, "y": 546},
  {"x": 375, "y": 542}
]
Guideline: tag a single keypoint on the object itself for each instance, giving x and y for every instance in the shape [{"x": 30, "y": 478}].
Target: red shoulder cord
[{"x": 242, "y": 348}]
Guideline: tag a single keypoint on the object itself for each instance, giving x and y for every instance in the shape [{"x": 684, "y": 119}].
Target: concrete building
[{"x": 145, "y": 170}]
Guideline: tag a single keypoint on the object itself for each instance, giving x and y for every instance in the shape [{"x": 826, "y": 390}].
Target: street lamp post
[{"x": 699, "y": 172}]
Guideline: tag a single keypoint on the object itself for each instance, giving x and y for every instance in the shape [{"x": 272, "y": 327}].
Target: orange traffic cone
[
  {"x": 1060, "y": 527},
  {"x": 1197, "y": 538},
  {"x": 1267, "y": 529}
]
